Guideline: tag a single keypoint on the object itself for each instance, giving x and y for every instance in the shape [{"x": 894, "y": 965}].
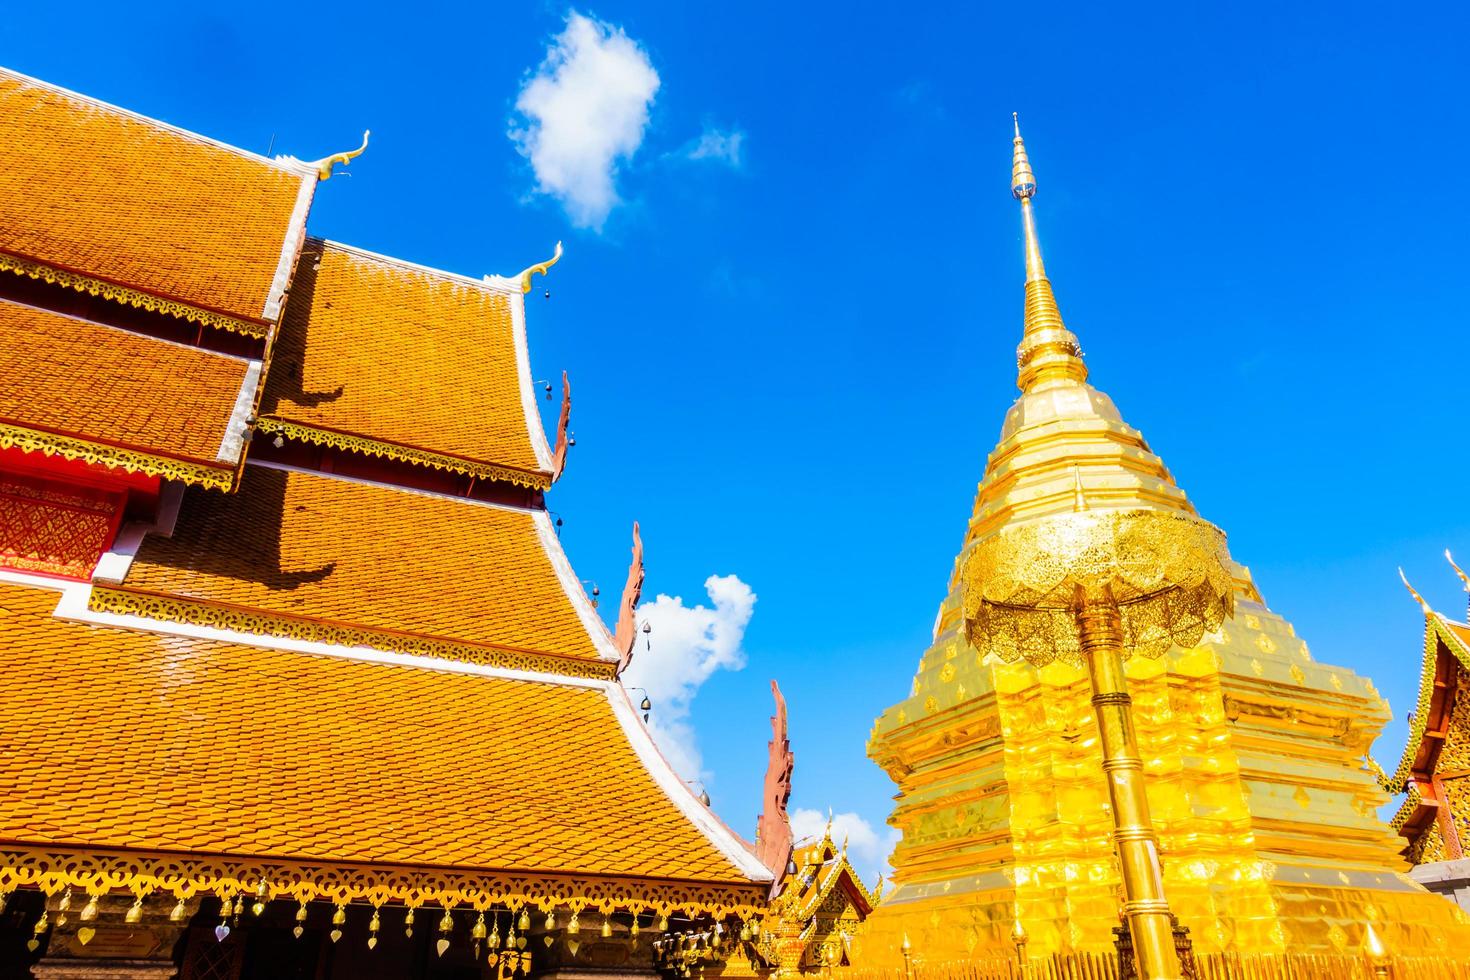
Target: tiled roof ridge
[
  {"x": 489, "y": 282},
  {"x": 289, "y": 165}
]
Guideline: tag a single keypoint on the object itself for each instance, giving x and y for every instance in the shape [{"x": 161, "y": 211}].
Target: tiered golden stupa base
[{"x": 1265, "y": 809}]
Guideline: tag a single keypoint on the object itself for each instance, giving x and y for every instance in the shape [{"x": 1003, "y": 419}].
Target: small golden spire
[
  {"x": 1464, "y": 579},
  {"x": 1049, "y": 353},
  {"x": 1079, "y": 496},
  {"x": 1417, "y": 597}
]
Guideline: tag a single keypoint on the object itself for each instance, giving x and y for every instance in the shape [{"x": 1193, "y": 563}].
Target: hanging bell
[
  {"x": 239, "y": 905},
  {"x": 373, "y": 925},
  {"x": 524, "y": 922},
  {"x": 478, "y": 930},
  {"x": 177, "y": 913},
  {"x": 65, "y": 902},
  {"x": 408, "y": 923},
  {"x": 573, "y": 926},
  {"x": 663, "y": 923},
  {"x": 134, "y": 912},
  {"x": 550, "y": 922},
  {"x": 495, "y": 933},
  {"x": 606, "y": 927},
  {"x": 89, "y": 911},
  {"x": 446, "y": 924},
  {"x": 339, "y": 917},
  {"x": 745, "y": 932},
  {"x": 261, "y": 890},
  {"x": 633, "y": 929}
]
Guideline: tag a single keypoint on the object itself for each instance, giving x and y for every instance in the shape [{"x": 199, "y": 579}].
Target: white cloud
[
  {"x": 583, "y": 112},
  {"x": 717, "y": 145},
  {"x": 685, "y": 646},
  {"x": 867, "y": 847}
]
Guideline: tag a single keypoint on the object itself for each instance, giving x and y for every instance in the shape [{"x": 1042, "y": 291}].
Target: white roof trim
[
  {"x": 485, "y": 284},
  {"x": 34, "y": 581},
  {"x": 290, "y": 251},
  {"x": 73, "y": 608},
  {"x": 678, "y": 792},
  {"x": 292, "y": 167},
  {"x": 233, "y": 443},
  {"x": 115, "y": 563},
  {"x": 528, "y": 386},
  {"x": 591, "y": 622}
]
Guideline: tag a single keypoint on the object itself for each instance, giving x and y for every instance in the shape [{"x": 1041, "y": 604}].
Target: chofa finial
[
  {"x": 1417, "y": 597},
  {"x": 1464, "y": 579},
  {"x": 324, "y": 166},
  {"x": 541, "y": 267}
]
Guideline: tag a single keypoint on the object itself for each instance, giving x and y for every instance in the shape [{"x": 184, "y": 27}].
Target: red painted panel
[{"x": 53, "y": 528}]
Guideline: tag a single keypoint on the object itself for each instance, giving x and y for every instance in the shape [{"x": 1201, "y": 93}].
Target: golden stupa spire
[{"x": 1049, "y": 354}]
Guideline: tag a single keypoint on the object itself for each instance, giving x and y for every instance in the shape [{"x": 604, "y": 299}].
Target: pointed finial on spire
[
  {"x": 1464, "y": 579},
  {"x": 1049, "y": 353},
  {"x": 1417, "y": 597},
  {"x": 1079, "y": 497},
  {"x": 1023, "y": 181}
]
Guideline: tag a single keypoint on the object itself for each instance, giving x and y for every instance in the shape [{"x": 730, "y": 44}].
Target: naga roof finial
[
  {"x": 325, "y": 164},
  {"x": 1464, "y": 579},
  {"x": 525, "y": 274},
  {"x": 1417, "y": 597}
]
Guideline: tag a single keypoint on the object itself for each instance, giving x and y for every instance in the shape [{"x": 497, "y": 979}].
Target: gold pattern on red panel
[{"x": 54, "y": 528}]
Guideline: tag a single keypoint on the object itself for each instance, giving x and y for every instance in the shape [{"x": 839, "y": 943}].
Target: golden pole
[{"x": 1100, "y": 632}]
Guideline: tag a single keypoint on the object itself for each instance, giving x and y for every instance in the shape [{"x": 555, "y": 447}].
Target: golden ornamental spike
[
  {"x": 524, "y": 276},
  {"x": 325, "y": 164},
  {"x": 1049, "y": 354},
  {"x": 1417, "y": 597},
  {"x": 1464, "y": 579}
]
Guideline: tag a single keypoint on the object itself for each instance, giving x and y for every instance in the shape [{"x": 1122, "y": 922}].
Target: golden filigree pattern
[
  {"x": 1419, "y": 717},
  {"x": 184, "y": 876},
  {"x": 167, "y": 610},
  {"x": 402, "y": 454},
  {"x": 55, "y": 529},
  {"x": 1166, "y": 571},
  {"x": 114, "y": 457},
  {"x": 129, "y": 297}
]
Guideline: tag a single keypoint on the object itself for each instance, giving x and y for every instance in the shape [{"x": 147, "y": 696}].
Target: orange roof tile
[
  {"x": 96, "y": 190},
  {"x": 393, "y": 352},
  {"x": 99, "y": 383},
  {"x": 185, "y": 744},
  {"x": 342, "y": 551}
]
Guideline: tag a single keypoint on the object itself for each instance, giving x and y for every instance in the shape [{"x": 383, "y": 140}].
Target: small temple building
[
  {"x": 298, "y": 680},
  {"x": 817, "y": 912},
  {"x": 1253, "y": 752},
  {"x": 1434, "y": 771}
]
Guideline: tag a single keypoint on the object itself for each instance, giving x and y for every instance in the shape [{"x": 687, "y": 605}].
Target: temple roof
[
  {"x": 189, "y": 744},
  {"x": 1446, "y": 648},
  {"x": 123, "y": 398},
  {"x": 427, "y": 365},
  {"x": 101, "y": 193},
  {"x": 406, "y": 565}
]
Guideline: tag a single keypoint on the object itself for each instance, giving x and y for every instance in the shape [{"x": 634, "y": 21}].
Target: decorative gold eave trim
[
  {"x": 1433, "y": 631},
  {"x": 113, "y": 457},
  {"x": 129, "y": 297},
  {"x": 183, "y": 876},
  {"x": 170, "y": 610},
  {"x": 403, "y": 454}
]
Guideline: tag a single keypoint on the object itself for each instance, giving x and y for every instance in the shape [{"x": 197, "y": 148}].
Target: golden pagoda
[
  {"x": 1251, "y": 754},
  {"x": 298, "y": 680}
]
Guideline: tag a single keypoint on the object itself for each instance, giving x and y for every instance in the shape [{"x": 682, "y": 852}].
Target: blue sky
[{"x": 789, "y": 317}]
